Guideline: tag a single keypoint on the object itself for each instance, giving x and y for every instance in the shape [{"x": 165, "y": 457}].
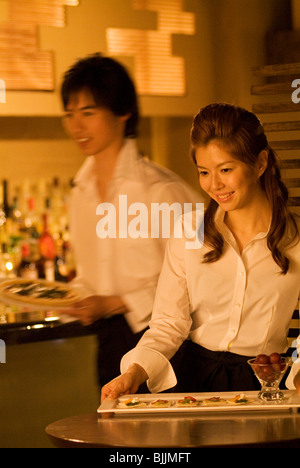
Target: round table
[{"x": 233, "y": 429}]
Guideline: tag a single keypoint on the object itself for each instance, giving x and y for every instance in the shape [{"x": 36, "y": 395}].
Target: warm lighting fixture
[
  {"x": 9, "y": 266},
  {"x": 23, "y": 66},
  {"x": 157, "y": 71}
]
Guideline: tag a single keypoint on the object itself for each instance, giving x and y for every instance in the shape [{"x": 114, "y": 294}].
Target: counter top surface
[
  {"x": 245, "y": 429},
  {"x": 32, "y": 326}
]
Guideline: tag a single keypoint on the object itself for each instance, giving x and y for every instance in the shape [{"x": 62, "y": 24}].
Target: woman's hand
[
  {"x": 297, "y": 381},
  {"x": 128, "y": 382},
  {"x": 92, "y": 308}
]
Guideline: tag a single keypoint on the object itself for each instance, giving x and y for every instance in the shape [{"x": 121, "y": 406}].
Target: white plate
[
  {"x": 291, "y": 400},
  {"x": 35, "y": 303},
  {"x": 31, "y": 306}
]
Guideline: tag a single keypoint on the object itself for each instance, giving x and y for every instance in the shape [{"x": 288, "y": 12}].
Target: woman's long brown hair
[{"x": 240, "y": 132}]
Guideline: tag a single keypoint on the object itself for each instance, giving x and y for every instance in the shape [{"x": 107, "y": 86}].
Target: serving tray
[
  {"x": 38, "y": 303},
  {"x": 291, "y": 401}
]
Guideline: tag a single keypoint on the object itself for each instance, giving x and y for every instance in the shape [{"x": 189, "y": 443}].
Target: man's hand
[
  {"x": 95, "y": 307},
  {"x": 128, "y": 382}
]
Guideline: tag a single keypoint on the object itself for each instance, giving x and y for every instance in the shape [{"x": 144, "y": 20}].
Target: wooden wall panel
[{"x": 22, "y": 65}]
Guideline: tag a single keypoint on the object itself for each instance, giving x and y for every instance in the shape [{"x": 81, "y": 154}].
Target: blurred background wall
[{"x": 228, "y": 40}]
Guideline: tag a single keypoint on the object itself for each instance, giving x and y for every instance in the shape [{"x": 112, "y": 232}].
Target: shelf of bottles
[{"x": 34, "y": 234}]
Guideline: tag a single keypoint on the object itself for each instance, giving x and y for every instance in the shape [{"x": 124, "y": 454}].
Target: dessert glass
[{"x": 270, "y": 375}]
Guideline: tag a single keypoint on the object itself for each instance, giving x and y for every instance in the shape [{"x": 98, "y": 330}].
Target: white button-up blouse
[{"x": 240, "y": 303}]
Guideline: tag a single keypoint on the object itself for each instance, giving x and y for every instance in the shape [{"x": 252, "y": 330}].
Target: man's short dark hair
[{"x": 110, "y": 85}]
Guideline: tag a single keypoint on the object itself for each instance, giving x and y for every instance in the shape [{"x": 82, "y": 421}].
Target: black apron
[{"x": 201, "y": 370}]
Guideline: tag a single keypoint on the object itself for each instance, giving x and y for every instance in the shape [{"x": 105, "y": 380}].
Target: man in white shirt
[{"x": 116, "y": 237}]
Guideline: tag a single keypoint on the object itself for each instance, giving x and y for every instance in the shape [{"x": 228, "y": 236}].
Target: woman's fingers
[{"x": 119, "y": 386}]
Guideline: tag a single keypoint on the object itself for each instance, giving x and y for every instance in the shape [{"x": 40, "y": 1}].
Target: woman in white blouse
[{"x": 234, "y": 297}]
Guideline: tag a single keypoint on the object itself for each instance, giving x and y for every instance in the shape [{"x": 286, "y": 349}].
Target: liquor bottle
[
  {"x": 61, "y": 266},
  {"x": 6, "y": 266},
  {"x": 56, "y": 207},
  {"x": 28, "y": 265},
  {"x": 16, "y": 215},
  {"x": 6, "y": 207},
  {"x": 47, "y": 252},
  {"x": 69, "y": 260},
  {"x": 2, "y": 212},
  {"x": 49, "y": 212},
  {"x": 23, "y": 193},
  {"x": 30, "y": 220},
  {"x": 41, "y": 195}
]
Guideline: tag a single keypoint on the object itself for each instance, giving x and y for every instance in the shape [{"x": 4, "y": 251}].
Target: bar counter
[
  {"x": 216, "y": 429},
  {"x": 30, "y": 327},
  {"x": 49, "y": 373},
  {"x": 219, "y": 431}
]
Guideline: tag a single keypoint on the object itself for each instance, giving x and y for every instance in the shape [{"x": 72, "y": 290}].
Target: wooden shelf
[
  {"x": 277, "y": 70},
  {"x": 281, "y": 88},
  {"x": 275, "y": 107}
]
